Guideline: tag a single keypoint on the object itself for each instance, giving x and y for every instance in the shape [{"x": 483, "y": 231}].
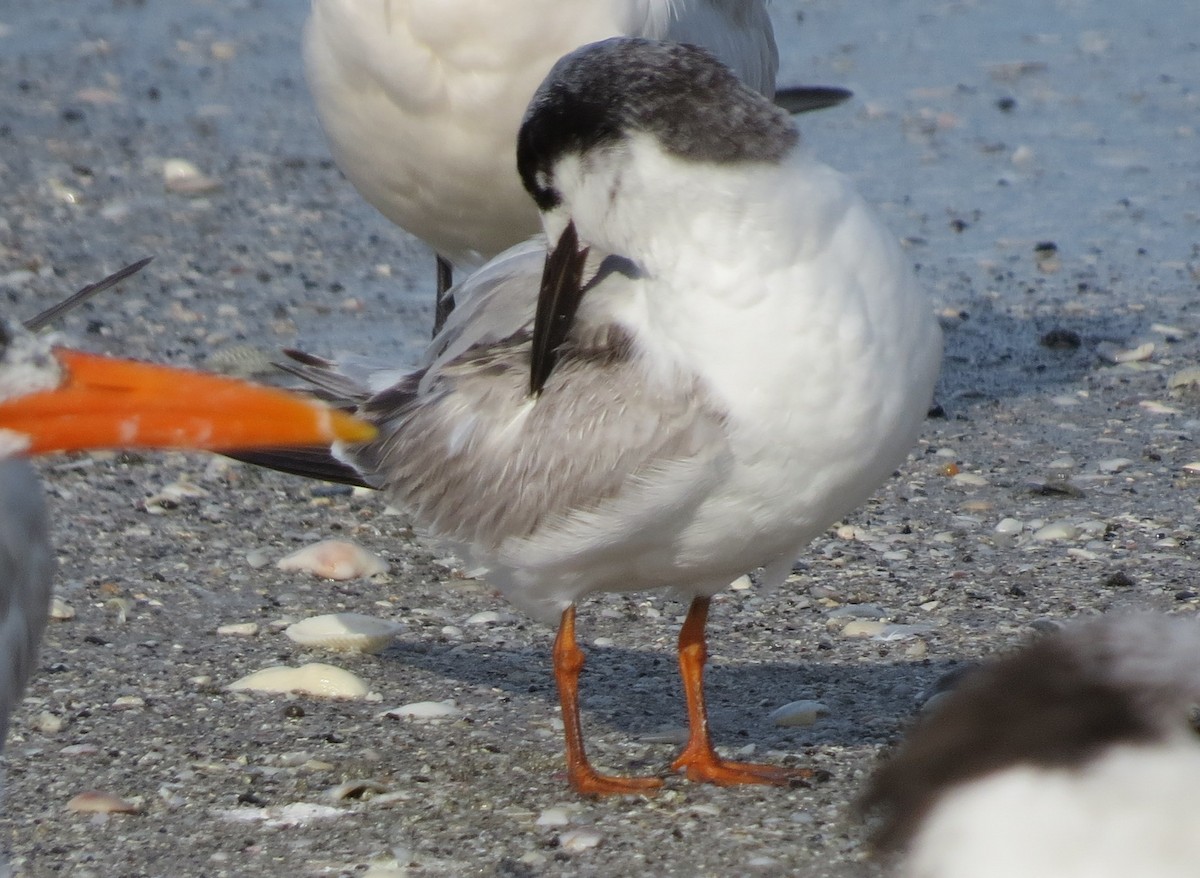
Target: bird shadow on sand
[{"x": 637, "y": 691}]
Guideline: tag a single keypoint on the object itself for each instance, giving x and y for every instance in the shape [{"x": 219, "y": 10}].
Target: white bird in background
[
  {"x": 1076, "y": 757},
  {"x": 738, "y": 356},
  {"x": 57, "y": 399},
  {"x": 421, "y": 99}
]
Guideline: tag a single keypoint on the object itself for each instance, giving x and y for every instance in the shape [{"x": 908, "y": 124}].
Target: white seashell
[
  {"x": 1057, "y": 530},
  {"x": 183, "y": 177},
  {"x": 60, "y": 610},
  {"x": 741, "y": 583},
  {"x": 973, "y": 480},
  {"x": 574, "y": 841},
  {"x": 345, "y": 632},
  {"x": 1185, "y": 380},
  {"x": 334, "y": 559},
  {"x": 48, "y": 723},
  {"x": 554, "y": 817},
  {"x": 1157, "y": 408},
  {"x": 425, "y": 710},
  {"x": 355, "y": 789},
  {"x": 1114, "y": 465},
  {"x": 315, "y": 678},
  {"x": 863, "y": 628},
  {"x": 100, "y": 802},
  {"x": 294, "y": 814},
  {"x": 1009, "y": 526},
  {"x": 798, "y": 713},
  {"x": 239, "y": 629}
]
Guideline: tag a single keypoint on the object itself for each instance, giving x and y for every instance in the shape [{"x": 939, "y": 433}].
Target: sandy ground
[{"x": 1041, "y": 162}]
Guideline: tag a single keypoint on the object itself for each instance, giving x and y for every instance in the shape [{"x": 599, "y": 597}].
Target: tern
[
  {"x": 724, "y": 352},
  {"x": 421, "y": 99},
  {"x": 1076, "y": 757},
  {"x": 59, "y": 399}
]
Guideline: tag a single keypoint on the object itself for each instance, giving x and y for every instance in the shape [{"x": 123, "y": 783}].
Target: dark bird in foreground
[{"x": 1076, "y": 757}]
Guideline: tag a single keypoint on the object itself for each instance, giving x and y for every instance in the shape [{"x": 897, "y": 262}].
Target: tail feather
[{"x": 310, "y": 463}]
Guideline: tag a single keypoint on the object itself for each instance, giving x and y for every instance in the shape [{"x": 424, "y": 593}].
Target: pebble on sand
[
  {"x": 315, "y": 678},
  {"x": 345, "y": 632},
  {"x": 334, "y": 559}
]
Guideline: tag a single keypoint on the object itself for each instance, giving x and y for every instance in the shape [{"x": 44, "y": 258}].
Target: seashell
[
  {"x": 345, "y": 632},
  {"x": 863, "y": 628},
  {"x": 315, "y": 678},
  {"x": 553, "y": 817},
  {"x": 425, "y": 710},
  {"x": 355, "y": 789},
  {"x": 798, "y": 713},
  {"x": 575, "y": 841},
  {"x": 60, "y": 610},
  {"x": 100, "y": 802},
  {"x": 334, "y": 559},
  {"x": 238, "y": 629},
  {"x": 183, "y": 177}
]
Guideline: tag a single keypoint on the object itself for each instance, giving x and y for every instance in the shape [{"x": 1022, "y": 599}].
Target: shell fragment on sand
[
  {"x": 339, "y": 560},
  {"x": 345, "y": 632},
  {"x": 315, "y": 678}
]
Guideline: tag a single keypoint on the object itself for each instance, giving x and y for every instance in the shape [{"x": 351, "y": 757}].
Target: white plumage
[
  {"x": 421, "y": 99},
  {"x": 750, "y": 358}
]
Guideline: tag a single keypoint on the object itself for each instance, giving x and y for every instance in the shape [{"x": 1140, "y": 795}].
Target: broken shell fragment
[
  {"x": 184, "y": 178},
  {"x": 315, "y": 678},
  {"x": 345, "y": 632},
  {"x": 100, "y": 802},
  {"x": 334, "y": 559}
]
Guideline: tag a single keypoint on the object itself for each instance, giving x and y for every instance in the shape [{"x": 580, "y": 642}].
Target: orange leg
[
  {"x": 700, "y": 760},
  {"x": 568, "y": 662}
]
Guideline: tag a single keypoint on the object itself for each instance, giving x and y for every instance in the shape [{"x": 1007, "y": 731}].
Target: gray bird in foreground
[
  {"x": 724, "y": 352},
  {"x": 1076, "y": 757}
]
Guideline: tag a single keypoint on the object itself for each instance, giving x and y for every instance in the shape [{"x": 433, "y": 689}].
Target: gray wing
[
  {"x": 26, "y": 570},
  {"x": 478, "y": 461},
  {"x": 738, "y": 32}
]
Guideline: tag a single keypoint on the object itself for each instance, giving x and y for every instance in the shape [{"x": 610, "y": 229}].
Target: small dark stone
[
  {"x": 1006, "y": 105},
  {"x": 1184, "y": 595},
  {"x": 1045, "y": 248},
  {"x": 1061, "y": 339},
  {"x": 1120, "y": 579},
  {"x": 293, "y": 711}
]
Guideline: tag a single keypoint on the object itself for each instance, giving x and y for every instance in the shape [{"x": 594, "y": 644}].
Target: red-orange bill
[{"x": 105, "y": 402}]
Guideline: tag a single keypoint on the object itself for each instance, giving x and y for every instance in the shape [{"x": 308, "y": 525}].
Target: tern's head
[
  {"x": 1057, "y": 705},
  {"x": 605, "y": 104}
]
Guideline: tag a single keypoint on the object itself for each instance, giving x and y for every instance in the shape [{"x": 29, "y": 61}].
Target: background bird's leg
[
  {"x": 568, "y": 662},
  {"x": 444, "y": 303},
  {"x": 698, "y": 757}
]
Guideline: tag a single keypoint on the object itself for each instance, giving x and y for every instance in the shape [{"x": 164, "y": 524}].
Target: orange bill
[{"x": 105, "y": 402}]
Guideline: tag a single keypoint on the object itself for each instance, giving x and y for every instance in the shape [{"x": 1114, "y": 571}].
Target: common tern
[
  {"x": 729, "y": 351},
  {"x": 1076, "y": 757},
  {"x": 421, "y": 99}
]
